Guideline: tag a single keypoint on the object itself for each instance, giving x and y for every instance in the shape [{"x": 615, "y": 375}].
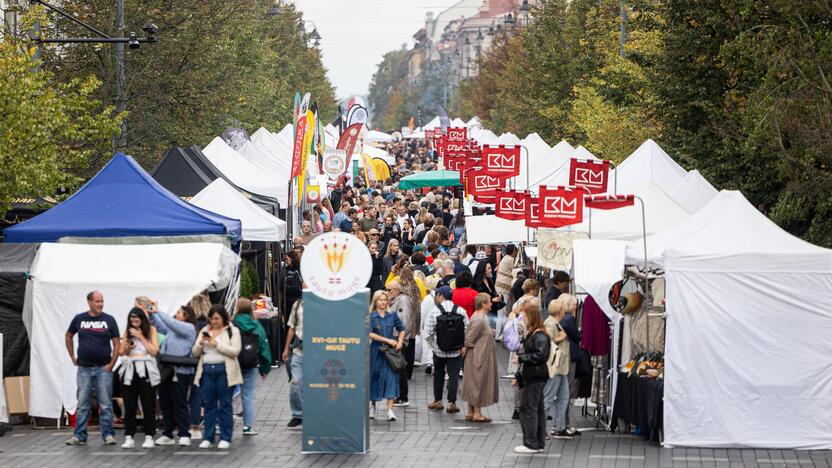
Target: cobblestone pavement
[{"x": 419, "y": 438}]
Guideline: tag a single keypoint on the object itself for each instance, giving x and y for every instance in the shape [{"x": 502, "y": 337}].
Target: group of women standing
[
  {"x": 195, "y": 368},
  {"x": 481, "y": 383}
]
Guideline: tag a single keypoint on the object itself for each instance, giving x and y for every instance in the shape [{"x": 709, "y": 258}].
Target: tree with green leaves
[{"x": 50, "y": 132}]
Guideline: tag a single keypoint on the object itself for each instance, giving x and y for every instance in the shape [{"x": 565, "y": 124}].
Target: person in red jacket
[{"x": 464, "y": 294}]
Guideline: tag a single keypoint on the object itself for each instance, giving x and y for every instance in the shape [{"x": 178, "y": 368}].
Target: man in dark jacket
[{"x": 558, "y": 285}]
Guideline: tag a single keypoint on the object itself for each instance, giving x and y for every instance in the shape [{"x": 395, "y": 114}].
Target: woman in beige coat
[
  {"x": 481, "y": 386},
  {"x": 217, "y": 347}
]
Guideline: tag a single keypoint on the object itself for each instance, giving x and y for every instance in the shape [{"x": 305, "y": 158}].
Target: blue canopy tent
[{"x": 122, "y": 200}]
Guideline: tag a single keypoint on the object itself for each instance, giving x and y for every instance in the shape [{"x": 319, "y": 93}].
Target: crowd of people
[
  {"x": 446, "y": 305},
  {"x": 437, "y": 302},
  {"x": 196, "y": 360}
]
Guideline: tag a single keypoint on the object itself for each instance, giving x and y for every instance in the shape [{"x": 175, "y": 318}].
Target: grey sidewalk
[{"x": 418, "y": 438}]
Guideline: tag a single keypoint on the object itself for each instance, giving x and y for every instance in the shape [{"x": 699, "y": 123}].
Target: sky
[{"x": 355, "y": 34}]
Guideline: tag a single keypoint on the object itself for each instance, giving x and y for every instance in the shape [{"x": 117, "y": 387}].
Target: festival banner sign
[
  {"x": 561, "y": 206},
  {"x": 501, "y": 161},
  {"x": 309, "y": 141},
  {"x": 334, "y": 163},
  {"x": 609, "y": 202},
  {"x": 429, "y": 135},
  {"x": 300, "y": 137},
  {"x": 347, "y": 143},
  {"x": 593, "y": 175},
  {"x": 484, "y": 187},
  {"x": 511, "y": 205},
  {"x": 336, "y": 346},
  {"x": 457, "y": 134}
]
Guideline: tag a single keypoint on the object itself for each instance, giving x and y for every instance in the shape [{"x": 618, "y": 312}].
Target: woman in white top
[
  {"x": 139, "y": 376},
  {"x": 217, "y": 347}
]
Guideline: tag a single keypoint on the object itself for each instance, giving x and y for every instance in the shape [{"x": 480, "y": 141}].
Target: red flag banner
[
  {"x": 347, "y": 143},
  {"x": 511, "y": 205},
  {"x": 458, "y": 134},
  {"x": 609, "y": 202},
  {"x": 501, "y": 161},
  {"x": 561, "y": 206},
  {"x": 532, "y": 217},
  {"x": 454, "y": 149},
  {"x": 483, "y": 185},
  {"x": 591, "y": 174},
  {"x": 297, "y": 150}
]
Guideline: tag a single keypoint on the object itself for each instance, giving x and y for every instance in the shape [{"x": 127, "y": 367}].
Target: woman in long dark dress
[{"x": 385, "y": 328}]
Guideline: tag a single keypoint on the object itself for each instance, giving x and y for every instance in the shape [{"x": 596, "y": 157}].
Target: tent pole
[
  {"x": 528, "y": 231},
  {"x": 615, "y": 178},
  {"x": 646, "y": 276}
]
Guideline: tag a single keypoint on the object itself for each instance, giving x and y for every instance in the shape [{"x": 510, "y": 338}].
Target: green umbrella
[{"x": 430, "y": 179}]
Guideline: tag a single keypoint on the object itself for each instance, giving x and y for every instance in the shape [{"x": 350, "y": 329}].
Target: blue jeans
[
  {"x": 216, "y": 398},
  {"x": 249, "y": 384},
  {"x": 296, "y": 388},
  {"x": 195, "y": 403},
  {"x": 89, "y": 378},
  {"x": 556, "y": 393}
]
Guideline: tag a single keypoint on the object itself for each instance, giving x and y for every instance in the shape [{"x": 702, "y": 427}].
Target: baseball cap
[
  {"x": 454, "y": 253},
  {"x": 446, "y": 292},
  {"x": 480, "y": 256}
]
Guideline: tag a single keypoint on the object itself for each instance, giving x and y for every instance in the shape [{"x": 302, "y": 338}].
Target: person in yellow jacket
[{"x": 394, "y": 275}]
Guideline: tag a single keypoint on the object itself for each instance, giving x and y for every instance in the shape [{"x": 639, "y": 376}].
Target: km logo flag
[
  {"x": 561, "y": 206},
  {"x": 501, "y": 161},
  {"x": 511, "y": 205},
  {"x": 458, "y": 134},
  {"x": 593, "y": 175}
]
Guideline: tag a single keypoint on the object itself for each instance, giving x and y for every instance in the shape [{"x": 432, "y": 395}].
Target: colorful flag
[
  {"x": 511, "y": 204},
  {"x": 300, "y": 136},
  {"x": 609, "y": 202},
  {"x": 307, "y": 148},
  {"x": 561, "y": 206},
  {"x": 588, "y": 173},
  {"x": 501, "y": 161}
]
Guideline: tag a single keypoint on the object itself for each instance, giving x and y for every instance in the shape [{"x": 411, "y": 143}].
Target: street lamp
[{"x": 524, "y": 10}]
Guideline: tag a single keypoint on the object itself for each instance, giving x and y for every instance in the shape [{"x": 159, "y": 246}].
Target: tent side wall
[{"x": 748, "y": 359}]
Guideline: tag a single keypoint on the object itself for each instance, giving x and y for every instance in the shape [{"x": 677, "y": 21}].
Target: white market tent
[
  {"x": 543, "y": 165},
  {"x": 474, "y": 122},
  {"x": 737, "y": 274},
  {"x": 378, "y": 136},
  {"x": 661, "y": 212},
  {"x": 245, "y": 174},
  {"x": 457, "y": 122},
  {"x": 63, "y": 274},
  {"x": 533, "y": 141},
  {"x": 508, "y": 139},
  {"x": 433, "y": 124},
  {"x": 483, "y": 136},
  {"x": 693, "y": 192},
  {"x": 258, "y": 225},
  {"x": 648, "y": 162}
]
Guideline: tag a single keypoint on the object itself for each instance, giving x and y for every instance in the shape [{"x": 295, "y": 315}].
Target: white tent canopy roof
[
  {"x": 474, "y": 122},
  {"x": 649, "y": 162},
  {"x": 489, "y": 229},
  {"x": 693, "y": 192},
  {"x": 220, "y": 197},
  {"x": 62, "y": 275},
  {"x": 543, "y": 165},
  {"x": 661, "y": 212},
  {"x": 533, "y": 142},
  {"x": 245, "y": 174},
  {"x": 381, "y": 137},
  {"x": 508, "y": 139},
  {"x": 740, "y": 238}
]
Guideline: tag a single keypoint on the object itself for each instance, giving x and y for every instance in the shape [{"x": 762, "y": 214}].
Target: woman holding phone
[
  {"x": 218, "y": 371},
  {"x": 139, "y": 376}
]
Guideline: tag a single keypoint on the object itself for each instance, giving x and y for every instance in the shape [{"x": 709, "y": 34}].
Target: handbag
[
  {"x": 555, "y": 358},
  {"x": 394, "y": 358}
]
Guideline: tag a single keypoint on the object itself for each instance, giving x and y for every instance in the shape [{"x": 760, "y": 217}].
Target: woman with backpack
[
  {"x": 532, "y": 378},
  {"x": 180, "y": 334},
  {"x": 217, "y": 347},
  {"x": 385, "y": 329},
  {"x": 255, "y": 358}
]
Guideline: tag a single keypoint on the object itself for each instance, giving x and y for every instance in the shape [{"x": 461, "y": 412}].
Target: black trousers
[
  {"x": 409, "y": 352},
  {"x": 173, "y": 399},
  {"x": 139, "y": 388},
  {"x": 452, "y": 365},
  {"x": 533, "y": 416}
]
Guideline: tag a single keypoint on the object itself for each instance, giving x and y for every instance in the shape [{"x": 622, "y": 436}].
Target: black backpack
[
  {"x": 450, "y": 329},
  {"x": 249, "y": 356}
]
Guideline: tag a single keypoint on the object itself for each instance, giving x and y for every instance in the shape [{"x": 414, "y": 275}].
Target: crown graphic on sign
[
  {"x": 486, "y": 182},
  {"x": 560, "y": 206},
  {"x": 334, "y": 256},
  {"x": 588, "y": 176}
]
